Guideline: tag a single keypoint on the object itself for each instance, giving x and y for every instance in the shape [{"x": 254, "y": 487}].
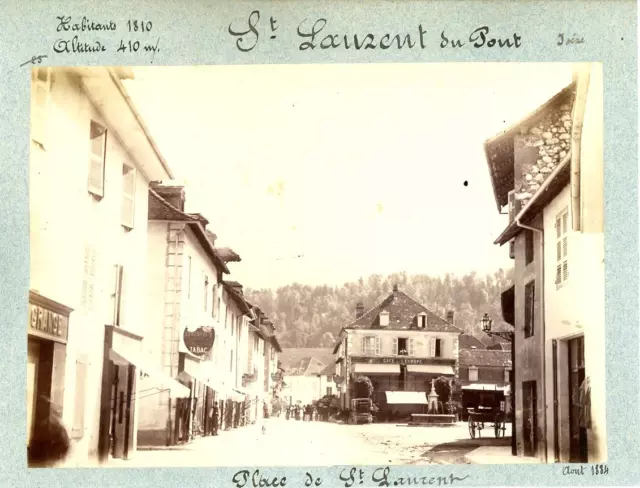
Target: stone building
[
  {"x": 548, "y": 169},
  {"x": 401, "y": 346}
]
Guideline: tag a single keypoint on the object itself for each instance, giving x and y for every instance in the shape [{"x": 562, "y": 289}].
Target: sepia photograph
[{"x": 316, "y": 265}]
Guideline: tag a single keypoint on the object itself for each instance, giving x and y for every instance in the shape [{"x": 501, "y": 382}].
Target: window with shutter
[
  {"x": 77, "y": 430},
  {"x": 432, "y": 347},
  {"x": 40, "y": 89},
  {"x": 411, "y": 348},
  {"x": 562, "y": 231},
  {"x": 128, "y": 195},
  {"x": 395, "y": 346},
  {"x": 189, "y": 277},
  {"x": 98, "y": 139},
  {"x": 118, "y": 295},
  {"x": 438, "y": 350},
  {"x": 378, "y": 346}
]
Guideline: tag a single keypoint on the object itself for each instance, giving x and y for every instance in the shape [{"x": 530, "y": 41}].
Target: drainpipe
[
  {"x": 582, "y": 85},
  {"x": 540, "y": 232}
]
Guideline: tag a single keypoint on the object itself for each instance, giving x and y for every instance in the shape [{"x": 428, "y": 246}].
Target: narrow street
[{"x": 297, "y": 443}]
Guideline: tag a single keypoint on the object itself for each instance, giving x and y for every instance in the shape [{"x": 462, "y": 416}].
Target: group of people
[{"x": 299, "y": 412}]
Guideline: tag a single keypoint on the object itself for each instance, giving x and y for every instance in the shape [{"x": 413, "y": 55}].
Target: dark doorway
[
  {"x": 529, "y": 417},
  {"x": 578, "y": 452}
]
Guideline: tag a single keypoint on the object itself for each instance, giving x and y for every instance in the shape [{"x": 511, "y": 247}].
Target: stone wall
[{"x": 552, "y": 137}]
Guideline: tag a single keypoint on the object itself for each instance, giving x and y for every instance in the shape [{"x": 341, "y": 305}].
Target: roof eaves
[
  {"x": 513, "y": 229},
  {"x": 206, "y": 243}
]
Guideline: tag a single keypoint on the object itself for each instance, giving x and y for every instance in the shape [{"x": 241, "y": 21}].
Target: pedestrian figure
[
  {"x": 50, "y": 444},
  {"x": 214, "y": 416}
]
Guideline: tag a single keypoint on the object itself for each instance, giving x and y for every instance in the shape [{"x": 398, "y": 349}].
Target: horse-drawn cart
[
  {"x": 361, "y": 411},
  {"x": 479, "y": 416},
  {"x": 486, "y": 406}
]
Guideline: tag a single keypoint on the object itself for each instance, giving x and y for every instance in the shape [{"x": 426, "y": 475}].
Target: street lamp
[{"x": 487, "y": 323}]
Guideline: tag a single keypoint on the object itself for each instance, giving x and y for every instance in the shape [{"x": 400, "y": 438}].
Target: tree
[
  {"x": 363, "y": 387},
  {"x": 304, "y": 315},
  {"x": 443, "y": 389}
]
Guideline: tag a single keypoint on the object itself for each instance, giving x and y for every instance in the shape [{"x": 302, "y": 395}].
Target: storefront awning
[
  {"x": 430, "y": 368},
  {"x": 377, "y": 368},
  {"x": 486, "y": 387},
  {"x": 204, "y": 373},
  {"x": 406, "y": 397},
  {"x": 161, "y": 381}
]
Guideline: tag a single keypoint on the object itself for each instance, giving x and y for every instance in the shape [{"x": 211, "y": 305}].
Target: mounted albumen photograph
[{"x": 313, "y": 265}]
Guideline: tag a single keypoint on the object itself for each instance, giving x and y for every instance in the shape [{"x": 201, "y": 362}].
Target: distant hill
[{"x": 312, "y": 316}]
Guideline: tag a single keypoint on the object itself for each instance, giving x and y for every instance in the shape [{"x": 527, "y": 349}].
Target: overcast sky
[{"x": 359, "y": 169}]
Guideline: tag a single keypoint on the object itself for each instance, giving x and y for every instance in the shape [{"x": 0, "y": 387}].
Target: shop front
[
  {"x": 123, "y": 364},
  {"x": 47, "y": 336}
]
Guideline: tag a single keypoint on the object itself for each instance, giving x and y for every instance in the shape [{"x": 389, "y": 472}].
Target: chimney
[
  {"x": 359, "y": 310},
  {"x": 170, "y": 191},
  {"x": 450, "y": 316},
  {"x": 211, "y": 236},
  {"x": 395, "y": 290}
]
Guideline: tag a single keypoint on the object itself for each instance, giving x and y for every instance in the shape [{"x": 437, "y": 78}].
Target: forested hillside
[{"x": 312, "y": 316}]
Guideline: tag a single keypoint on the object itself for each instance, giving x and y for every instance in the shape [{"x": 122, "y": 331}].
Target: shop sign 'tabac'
[{"x": 199, "y": 341}]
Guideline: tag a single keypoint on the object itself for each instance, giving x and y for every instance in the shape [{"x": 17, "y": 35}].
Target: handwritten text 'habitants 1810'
[{"x": 83, "y": 35}]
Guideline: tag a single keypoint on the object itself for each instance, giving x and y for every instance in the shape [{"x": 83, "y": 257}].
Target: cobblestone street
[{"x": 297, "y": 443}]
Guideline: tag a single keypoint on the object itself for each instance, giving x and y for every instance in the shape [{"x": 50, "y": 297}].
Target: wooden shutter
[
  {"x": 77, "y": 430},
  {"x": 117, "y": 294},
  {"x": 98, "y": 140},
  {"x": 128, "y": 195},
  {"x": 562, "y": 230},
  {"x": 364, "y": 346},
  {"x": 395, "y": 346},
  {"x": 432, "y": 347},
  {"x": 40, "y": 89},
  {"x": 411, "y": 347},
  {"x": 378, "y": 346}
]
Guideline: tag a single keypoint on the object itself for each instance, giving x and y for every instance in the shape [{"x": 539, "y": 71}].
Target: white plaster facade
[
  {"x": 575, "y": 307},
  {"x": 69, "y": 226}
]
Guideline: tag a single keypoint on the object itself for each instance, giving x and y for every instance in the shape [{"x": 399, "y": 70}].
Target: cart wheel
[{"x": 472, "y": 428}]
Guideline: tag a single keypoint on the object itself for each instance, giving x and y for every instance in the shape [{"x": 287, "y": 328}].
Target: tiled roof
[
  {"x": 467, "y": 341},
  {"x": 329, "y": 370},
  {"x": 228, "y": 255},
  {"x": 403, "y": 311},
  {"x": 501, "y": 346},
  {"x": 292, "y": 356},
  {"x": 485, "y": 357},
  {"x": 160, "y": 209},
  {"x": 309, "y": 366},
  {"x": 237, "y": 297}
]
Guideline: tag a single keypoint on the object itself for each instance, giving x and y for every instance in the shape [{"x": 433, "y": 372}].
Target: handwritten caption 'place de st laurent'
[
  {"x": 348, "y": 477},
  {"x": 76, "y": 36}
]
